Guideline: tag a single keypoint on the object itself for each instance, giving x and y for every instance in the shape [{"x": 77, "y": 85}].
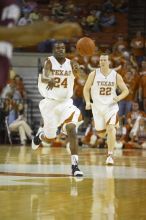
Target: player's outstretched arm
[
  {"x": 87, "y": 88},
  {"x": 22, "y": 36},
  {"x": 122, "y": 86}
]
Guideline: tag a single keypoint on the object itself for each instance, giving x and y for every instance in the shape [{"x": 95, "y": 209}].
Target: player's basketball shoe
[
  {"x": 76, "y": 171},
  {"x": 36, "y": 141},
  {"x": 109, "y": 160}
]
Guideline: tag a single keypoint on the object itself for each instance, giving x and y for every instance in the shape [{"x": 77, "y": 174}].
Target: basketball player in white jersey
[
  {"x": 101, "y": 87},
  {"x": 56, "y": 86}
]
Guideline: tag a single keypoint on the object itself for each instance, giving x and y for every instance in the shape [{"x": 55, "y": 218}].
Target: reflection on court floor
[{"x": 38, "y": 185}]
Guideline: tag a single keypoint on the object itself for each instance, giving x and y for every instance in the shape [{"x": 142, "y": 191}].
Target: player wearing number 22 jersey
[
  {"x": 56, "y": 84},
  {"x": 103, "y": 91},
  {"x": 101, "y": 87}
]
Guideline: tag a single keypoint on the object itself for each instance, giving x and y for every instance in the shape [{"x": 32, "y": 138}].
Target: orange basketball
[{"x": 85, "y": 46}]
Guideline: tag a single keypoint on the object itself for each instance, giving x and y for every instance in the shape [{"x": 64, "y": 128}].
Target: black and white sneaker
[
  {"x": 76, "y": 171},
  {"x": 36, "y": 141}
]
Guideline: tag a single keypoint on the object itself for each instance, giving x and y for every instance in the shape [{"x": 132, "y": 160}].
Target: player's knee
[
  {"x": 111, "y": 129},
  {"x": 49, "y": 132},
  {"x": 101, "y": 134},
  {"x": 71, "y": 129},
  {"x": 48, "y": 140}
]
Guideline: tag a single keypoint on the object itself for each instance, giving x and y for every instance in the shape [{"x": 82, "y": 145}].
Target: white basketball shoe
[{"x": 109, "y": 160}]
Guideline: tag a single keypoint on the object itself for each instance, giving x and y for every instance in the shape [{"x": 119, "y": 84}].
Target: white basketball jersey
[
  {"x": 104, "y": 88},
  {"x": 64, "y": 81}
]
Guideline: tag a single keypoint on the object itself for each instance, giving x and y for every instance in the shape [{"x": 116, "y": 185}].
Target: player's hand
[
  {"x": 75, "y": 68},
  {"x": 51, "y": 84},
  {"x": 88, "y": 106},
  {"x": 116, "y": 99}
]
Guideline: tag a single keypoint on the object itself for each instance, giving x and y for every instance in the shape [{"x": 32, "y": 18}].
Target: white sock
[
  {"x": 110, "y": 153},
  {"x": 41, "y": 134},
  {"x": 74, "y": 159}
]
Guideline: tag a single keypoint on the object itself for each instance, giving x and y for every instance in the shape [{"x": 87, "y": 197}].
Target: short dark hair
[
  {"x": 104, "y": 54},
  {"x": 59, "y": 42}
]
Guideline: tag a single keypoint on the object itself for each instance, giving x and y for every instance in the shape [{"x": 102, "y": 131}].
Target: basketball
[{"x": 85, "y": 46}]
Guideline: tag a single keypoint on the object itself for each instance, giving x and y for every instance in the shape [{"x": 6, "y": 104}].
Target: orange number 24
[{"x": 59, "y": 83}]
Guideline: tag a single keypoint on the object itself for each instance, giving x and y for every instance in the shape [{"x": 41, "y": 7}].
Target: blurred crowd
[
  {"x": 90, "y": 16},
  {"x": 13, "y": 110},
  {"x": 93, "y": 18},
  {"x": 127, "y": 57}
]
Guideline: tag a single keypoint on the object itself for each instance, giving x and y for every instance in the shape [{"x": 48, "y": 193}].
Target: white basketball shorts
[
  {"x": 104, "y": 114},
  {"x": 55, "y": 114}
]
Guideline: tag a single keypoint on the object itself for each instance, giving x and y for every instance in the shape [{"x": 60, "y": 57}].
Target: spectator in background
[
  {"x": 57, "y": 10},
  {"x": 128, "y": 58},
  {"x": 29, "y": 6},
  {"x": 116, "y": 57},
  {"x": 107, "y": 19},
  {"x": 24, "y": 20},
  {"x": 122, "y": 6},
  {"x": 142, "y": 85},
  {"x": 137, "y": 45},
  {"x": 17, "y": 122},
  {"x": 93, "y": 63},
  {"x": 108, "y": 5},
  {"x": 132, "y": 81},
  {"x": 138, "y": 134},
  {"x": 11, "y": 88},
  {"x": 8, "y": 89},
  {"x": 132, "y": 117},
  {"x": 20, "y": 86},
  {"x": 91, "y": 20},
  {"x": 120, "y": 42},
  {"x": 12, "y": 73},
  {"x": 35, "y": 15}
]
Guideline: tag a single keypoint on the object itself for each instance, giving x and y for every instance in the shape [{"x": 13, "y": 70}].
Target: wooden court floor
[{"x": 37, "y": 185}]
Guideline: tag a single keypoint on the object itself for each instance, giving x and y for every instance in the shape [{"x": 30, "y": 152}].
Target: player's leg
[
  {"x": 47, "y": 133},
  {"x": 18, "y": 126},
  {"x": 99, "y": 122},
  {"x": 72, "y": 138},
  {"x": 44, "y": 136},
  {"x": 105, "y": 125},
  {"x": 111, "y": 137},
  {"x": 71, "y": 119},
  {"x": 101, "y": 134},
  {"x": 111, "y": 140}
]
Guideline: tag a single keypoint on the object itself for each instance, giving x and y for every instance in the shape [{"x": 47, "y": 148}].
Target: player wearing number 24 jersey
[
  {"x": 63, "y": 77},
  {"x": 56, "y": 84}
]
